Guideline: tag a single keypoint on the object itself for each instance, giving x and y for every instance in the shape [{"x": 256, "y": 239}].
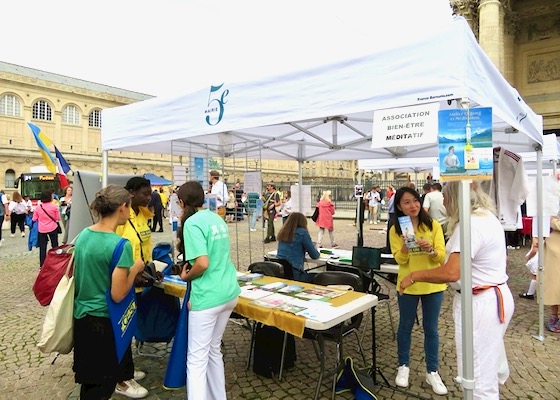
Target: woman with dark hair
[
  {"x": 492, "y": 301},
  {"x": 47, "y": 215},
  {"x": 95, "y": 359},
  {"x": 427, "y": 251},
  {"x": 137, "y": 230},
  {"x": 139, "y": 234},
  {"x": 204, "y": 243},
  {"x": 293, "y": 242}
]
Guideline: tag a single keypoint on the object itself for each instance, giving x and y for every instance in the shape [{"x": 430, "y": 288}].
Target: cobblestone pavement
[{"x": 25, "y": 373}]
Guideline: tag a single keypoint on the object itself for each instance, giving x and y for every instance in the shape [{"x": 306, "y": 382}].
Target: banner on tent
[
  {"x": 405, "y": 126},
  {"x": 465, "y": 144}
]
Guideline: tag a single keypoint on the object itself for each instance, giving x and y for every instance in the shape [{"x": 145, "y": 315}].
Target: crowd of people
[{"x": 427, "y": 265}]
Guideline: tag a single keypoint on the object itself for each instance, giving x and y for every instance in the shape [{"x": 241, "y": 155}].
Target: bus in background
[{"x": 34, "y": 183}]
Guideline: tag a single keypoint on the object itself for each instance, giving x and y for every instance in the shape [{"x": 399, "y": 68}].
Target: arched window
[
  {"x": 42, "y": 110},
  {"x": 95, "y": 119},
  {"x": 9, "y": 106},
  {"x": 10, "y": 178},
  {"x": 71, "y": 115}
]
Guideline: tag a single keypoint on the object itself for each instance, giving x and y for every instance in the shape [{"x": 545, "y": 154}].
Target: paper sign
[
  {"x": 465, "y": 144},
  {"x": 550, "y": 147},
  {"x": 405, "y": 126}
]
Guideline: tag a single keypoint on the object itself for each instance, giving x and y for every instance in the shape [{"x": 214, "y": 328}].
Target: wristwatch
[{"x": 431, "y": 252}]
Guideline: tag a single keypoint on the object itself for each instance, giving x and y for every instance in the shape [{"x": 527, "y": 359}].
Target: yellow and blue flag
[{"x": 43, "y": 141}]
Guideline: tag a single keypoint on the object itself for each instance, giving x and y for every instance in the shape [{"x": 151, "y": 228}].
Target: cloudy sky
[{"x": 168, "y": 46}]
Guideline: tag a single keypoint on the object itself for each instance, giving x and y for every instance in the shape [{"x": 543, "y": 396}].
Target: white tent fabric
[
  {"x": 414, "y": 164},
  {"x": 326, "y": 112}
]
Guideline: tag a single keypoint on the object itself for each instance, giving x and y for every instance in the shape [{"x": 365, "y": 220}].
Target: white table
[{"x": 344, "y": 254}]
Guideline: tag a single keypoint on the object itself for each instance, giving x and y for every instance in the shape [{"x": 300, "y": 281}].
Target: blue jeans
[{"x": 431, "y": 306}]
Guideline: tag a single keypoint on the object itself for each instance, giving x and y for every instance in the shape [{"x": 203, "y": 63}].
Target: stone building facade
[{"x": 522, "y": 38}]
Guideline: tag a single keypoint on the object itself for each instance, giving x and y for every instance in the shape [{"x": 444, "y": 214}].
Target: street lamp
[{"x": 134, "y": 169}]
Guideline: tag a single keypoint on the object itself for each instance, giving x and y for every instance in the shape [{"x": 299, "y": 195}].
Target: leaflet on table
[
  {"x": 291, "y": 289},
  {"x": 281, "y": 302},
  {"x": 274, "y": 286},
  {"x": 249, "y": 277},
  {"x": 253, "y": 292},
  {"x": 319, "y": 293},
  {"x": 320, "y": 311}
]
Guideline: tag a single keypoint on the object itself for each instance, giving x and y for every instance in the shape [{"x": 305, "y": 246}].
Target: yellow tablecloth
[{"x": 283, "y": 320}]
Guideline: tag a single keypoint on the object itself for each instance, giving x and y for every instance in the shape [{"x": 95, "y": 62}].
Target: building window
[
  {"x": 42, "y": 110},
  {"x": 9, "y": 105},
  {"x": 10, "y": 178},
  {"x": 71, "y": 115},
  {"x": 95, "y": 118}
]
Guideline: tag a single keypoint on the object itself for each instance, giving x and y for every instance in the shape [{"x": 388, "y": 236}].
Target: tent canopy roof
[
  {"x": 326, "y": 112},
  {"x": 157, "y": 180}
]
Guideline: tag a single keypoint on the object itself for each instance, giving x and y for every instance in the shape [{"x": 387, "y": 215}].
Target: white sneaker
[
  {"x": 253, "y": 230},
  {"x": 12, "y": 235},
  {"x": 22, "y": 234},
  {"x": 402, "y": 376},
  {"x": 370, "y": 222},
  {"x": 434, "y": 380},
  {"x": 131, "y": 389},
  {"x": 139, "y": 375}
]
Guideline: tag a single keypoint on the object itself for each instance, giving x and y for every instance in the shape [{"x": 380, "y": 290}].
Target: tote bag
[
  {"x": 58, "y": 327},
  {"x": 56, "y": 263},
  {"x": 123, "y": 313}
]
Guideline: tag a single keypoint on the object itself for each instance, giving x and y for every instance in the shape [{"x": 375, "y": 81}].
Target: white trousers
[
  {"x": 322, "y": 233},
  {"x": 490, "y": 360},
  {"x": 205, "y": 365}
]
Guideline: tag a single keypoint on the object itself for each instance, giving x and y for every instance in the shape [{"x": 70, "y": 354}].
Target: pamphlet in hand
[{"x": 407, "y": 230}]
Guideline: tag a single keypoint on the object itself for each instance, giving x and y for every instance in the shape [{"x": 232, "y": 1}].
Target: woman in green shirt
[
  {"x": 95, "y": 360},
  {"x": 204, "y": 243}
]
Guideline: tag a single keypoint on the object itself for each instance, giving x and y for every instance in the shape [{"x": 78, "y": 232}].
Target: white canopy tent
[{"x": 325, "y": 112}]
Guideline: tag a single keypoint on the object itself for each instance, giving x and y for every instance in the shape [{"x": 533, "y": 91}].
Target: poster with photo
[{"x": 465, "y": 144}]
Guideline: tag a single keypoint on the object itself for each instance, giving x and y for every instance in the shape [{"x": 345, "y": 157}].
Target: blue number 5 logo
[{"x": 216, "y": 102}]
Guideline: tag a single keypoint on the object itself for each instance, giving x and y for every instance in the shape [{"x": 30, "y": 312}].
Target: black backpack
[{"x": 268, "y": 351}]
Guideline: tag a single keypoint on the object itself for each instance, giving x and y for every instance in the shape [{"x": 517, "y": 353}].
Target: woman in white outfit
[{"x": 492, "y": 299}]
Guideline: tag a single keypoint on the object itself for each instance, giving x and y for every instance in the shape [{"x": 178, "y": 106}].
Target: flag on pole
[
  {"x": 43, "y": 141},
  {"x": 64, "y": 166}
]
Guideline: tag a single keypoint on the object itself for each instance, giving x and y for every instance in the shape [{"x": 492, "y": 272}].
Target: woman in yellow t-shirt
[
  {"x": 424, "y": 249},
  {"x": 138, "y": 232}
]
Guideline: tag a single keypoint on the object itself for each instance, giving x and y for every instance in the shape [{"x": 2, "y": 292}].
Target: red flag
[{"x": 63, "y": 181}]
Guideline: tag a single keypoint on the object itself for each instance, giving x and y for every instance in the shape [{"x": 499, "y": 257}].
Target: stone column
[
  {"x": 490, "y": 31},
  {"x": 510, "y": 33}
]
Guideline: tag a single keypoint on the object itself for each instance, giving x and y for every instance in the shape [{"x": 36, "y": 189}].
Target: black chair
[
  {"x": 288, "y": 269},
  {"x": 268, "y": 268},
  {"x": 338, "y": 332}
]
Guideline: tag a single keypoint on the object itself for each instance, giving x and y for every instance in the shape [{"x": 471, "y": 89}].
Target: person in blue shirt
[{"x": 293, "y": 242}]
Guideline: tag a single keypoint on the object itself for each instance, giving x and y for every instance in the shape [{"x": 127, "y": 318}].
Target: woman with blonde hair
[
  {"x": 325, "y": 220},
  {"x": 17, "y": 210},
  {"x": 492, "y": 302}
]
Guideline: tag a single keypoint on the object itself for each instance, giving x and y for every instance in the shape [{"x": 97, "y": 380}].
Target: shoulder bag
[
  {"x": 58, "y": 260},
  {"x": 58, "y": 328},
  {"x": 58, "y": 228},
  {"x": 123, "y": 313}
]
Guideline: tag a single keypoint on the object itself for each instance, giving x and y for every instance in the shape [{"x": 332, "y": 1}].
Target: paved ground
[{"x": 25, "y": 373}]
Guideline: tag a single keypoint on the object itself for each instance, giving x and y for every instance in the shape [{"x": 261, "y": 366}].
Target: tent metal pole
[
  {"x": 540, "y": 233},
  {"x": 467, "y": 379},
  {"x": 104, "y": 168}
]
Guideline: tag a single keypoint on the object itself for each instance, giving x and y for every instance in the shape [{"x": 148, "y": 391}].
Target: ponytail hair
[{"x": 192, "y": 195}]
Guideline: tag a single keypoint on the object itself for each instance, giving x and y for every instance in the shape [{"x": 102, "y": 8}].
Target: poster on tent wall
[
  {"x": 305, "y": 206},
  {"x": 405, "y": 126},
  {"x": 200, "y": 172},
  {"x": 465, "y": 144}
]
